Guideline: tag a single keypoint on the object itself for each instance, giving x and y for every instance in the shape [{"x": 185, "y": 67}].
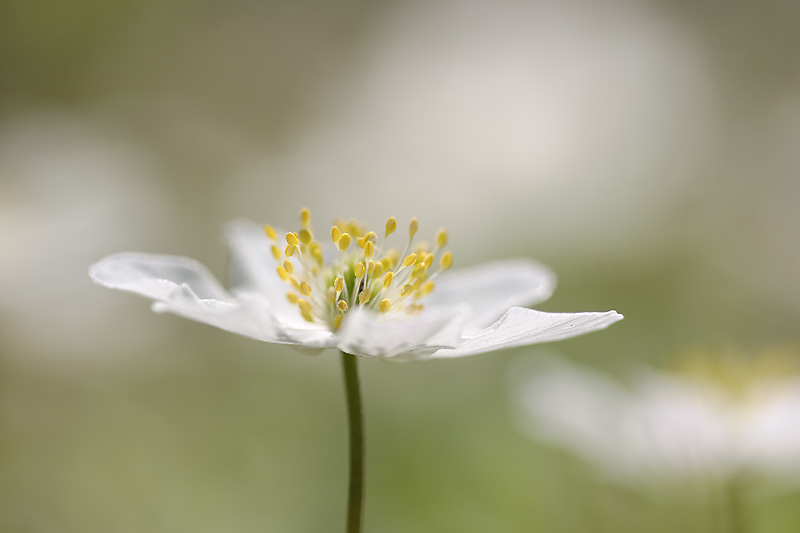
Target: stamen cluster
[{"x": 365, "y": 273}]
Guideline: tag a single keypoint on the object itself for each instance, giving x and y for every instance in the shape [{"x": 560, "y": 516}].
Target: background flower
[{"x": 719, "y": 420}]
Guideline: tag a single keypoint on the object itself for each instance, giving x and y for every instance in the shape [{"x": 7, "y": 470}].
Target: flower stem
[
  {"x": 736, "y": 518},
  {"x": 355, "y": 420}
]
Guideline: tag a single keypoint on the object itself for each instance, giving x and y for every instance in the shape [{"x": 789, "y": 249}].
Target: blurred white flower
[
  {"x": 358, "y": 296},
  {"x": 713, "y": 420}
]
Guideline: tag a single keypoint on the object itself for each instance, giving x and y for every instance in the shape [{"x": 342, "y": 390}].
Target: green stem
[
  {"x": 736, "y": 519},
  {"x": 355, "y": 421}
]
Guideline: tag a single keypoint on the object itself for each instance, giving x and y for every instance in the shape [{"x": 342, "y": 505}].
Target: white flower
[
  {"x": 719, "y": 420},
  {"x": 356, "y": 295}
]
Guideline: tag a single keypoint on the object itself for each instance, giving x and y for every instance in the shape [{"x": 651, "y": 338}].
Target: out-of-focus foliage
[{"x": 645, "y": 151}]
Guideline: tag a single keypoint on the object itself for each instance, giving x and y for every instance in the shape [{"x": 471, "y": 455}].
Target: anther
[
  {"x": 292, "y": 239},
  {"x": 369, "y": 249},
  {"x": 413, "y": 226},
  {"x": 287, "y": 265},
  {"x": 426, "y": 288},
  {"x": 276, "y": 252},
  {"x": 344, "y": 242},
  {"x": 441, "y": 237},
  {"x": 387, "y": 279},
  {"x": 341, "y": 305},
  {"x": 316, "y": 253},
  {"x": 337, "y": 321},
  {"x": 359, "y": 270},
  {"x": 406, "y": 290},
  {"x": 363, "y": 296},
  {"x": 428, "y": 261},
  {"x": 371, "y": 237},
  {"x": 304, "y": 305},
  {"x": 305, "y": 236},
  {"x": 283, "y": 274},
  {"x": 270, "y": 231},
  {"x": 410, "y": 260},
  {"x": 361, "y": 242},
  {"x": 338, "y": 284},
  {"x": 385, "y": 305},
  {"x": 305, "y": 217},
  {"x": 391, "y": 225},
  {"x": 292, "y": 297},
  {"x": 446, "y": 261},
  {"x": 305, "y": 288},
  {"x": 377, "y": 269},
  {"x": 336, "y": 234}
]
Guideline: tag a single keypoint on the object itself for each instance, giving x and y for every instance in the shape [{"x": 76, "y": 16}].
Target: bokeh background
[{"x": 646, "y": 151}]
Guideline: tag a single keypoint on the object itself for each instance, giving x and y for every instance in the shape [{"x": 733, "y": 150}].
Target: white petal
[
  {"x": 185, "y": 287},
  {"x": 366, "y": 333},
  {"x": 573, "y": 408},
  {"x": 520, "y": 326},
  {"x": 771, "y": 439},
  {"x": 253, "y": 269},
  {"x": 493, "y": 288},
  {"x": 155, "y": 276}
]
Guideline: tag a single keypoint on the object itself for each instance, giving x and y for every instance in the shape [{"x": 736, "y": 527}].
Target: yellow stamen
[
  {"x": 446, "y": 261},
  {"x": 305, "y": 236},
  {"x": 369, "y": 249},
  {"x": 338, "y": 284},
  {"x": 287, "y": 265},
  {"x": 270, "y": 231},
  {"x": 406, "y": 290},
  {"x": 341, "y": 305},
  {"x": 293, "y": 239},
  {"x": 427, "y": 288},
  {"x": 305, "y": 217},
  {"x": 410, "y": 260},
  {"x": 363, "y": 296},
  {"x": 391, "y": 225},
  {"x": 337, "y": 321},
  {"x": 292, "y": 296},
  {"x": 305, "y": 288},
  {"x": 385, "y": 305},
  {"x": 359, "y": 270},
  {"x": 336, "y": 234},
  {"x": 413, "y": 226},
  {"x": 283, "y": 274},
  {"x": 387, "y": 279},
  {"x": 276, "y": 252},
  {"x": 290, "y": 250},
  {"x": 344, "y": 242},
  {"x": 441, "y": 237}
]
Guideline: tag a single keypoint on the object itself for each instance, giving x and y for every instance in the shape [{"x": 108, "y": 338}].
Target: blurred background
[{"x": 646, "y": 151}]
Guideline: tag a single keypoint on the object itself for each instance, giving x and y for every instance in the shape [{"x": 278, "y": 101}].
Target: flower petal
[
  {"x": 491, "y": 289},
  {"x": 185, "y": 287},
  {"x": 520, "y": 326},
  {"x": 365, "y": 333},
  {"x": 155, "y": 276}
]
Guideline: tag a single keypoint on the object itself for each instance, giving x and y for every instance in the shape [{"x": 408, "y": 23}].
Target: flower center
[
  {"x": 363, "y": 273},
  {"x": 738, "y": 374}
]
